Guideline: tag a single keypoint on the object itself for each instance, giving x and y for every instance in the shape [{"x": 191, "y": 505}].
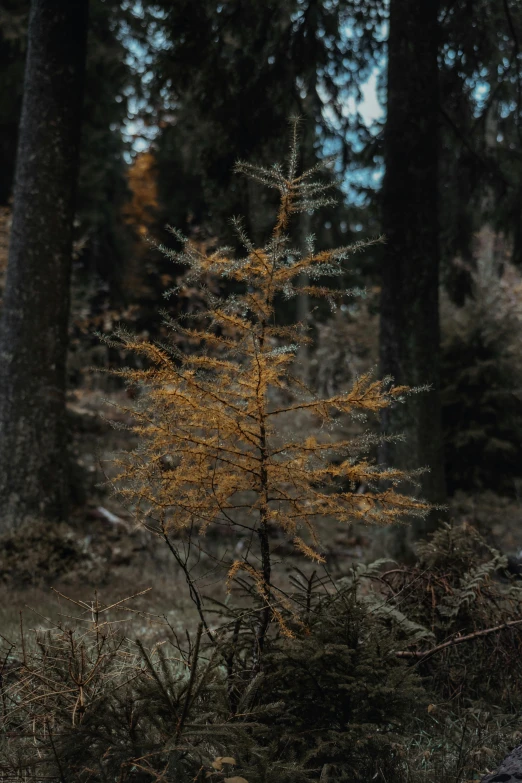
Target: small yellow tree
[{"x": 211, "y": 448}]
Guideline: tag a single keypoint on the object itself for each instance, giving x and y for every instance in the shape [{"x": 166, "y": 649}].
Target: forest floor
[{"x": 101, "y": 554}]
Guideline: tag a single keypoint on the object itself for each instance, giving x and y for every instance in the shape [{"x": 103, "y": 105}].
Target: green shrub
[
  {"x": 459, "y": 586},
  {"x": 347, "y": 698},
  {"x": 338, "y": 701},
  {"x": 84, "y": 703}
]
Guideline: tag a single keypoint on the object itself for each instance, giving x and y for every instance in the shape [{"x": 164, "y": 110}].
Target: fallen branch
[{"x": 423, "y": 654}]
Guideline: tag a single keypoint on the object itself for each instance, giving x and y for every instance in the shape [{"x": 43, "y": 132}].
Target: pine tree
[
  {"x": 33, "y": 341},
  {"x": 263, "y": 62},
  {"x": 409, "y": 333},
  {"x": 109, "y": 83}
]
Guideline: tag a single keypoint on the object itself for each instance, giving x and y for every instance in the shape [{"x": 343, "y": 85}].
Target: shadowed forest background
[{"x": 120, "y": 119}]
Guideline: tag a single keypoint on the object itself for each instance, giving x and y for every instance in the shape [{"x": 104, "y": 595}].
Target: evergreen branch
[{"x": 192, "y": 679}]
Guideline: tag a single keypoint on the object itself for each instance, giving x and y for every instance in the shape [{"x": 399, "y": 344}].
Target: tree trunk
[
  {"x": 303, "y": 301},
  {"x": 33, "y": 337},
  {"x": 409, "y": 333}
]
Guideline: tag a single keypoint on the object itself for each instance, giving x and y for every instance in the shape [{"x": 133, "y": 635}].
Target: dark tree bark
[
  {"x": 33, "y": 337},
  {"x": 409, "y": 338}
]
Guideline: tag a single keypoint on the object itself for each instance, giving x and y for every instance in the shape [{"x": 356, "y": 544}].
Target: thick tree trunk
[
  {"x": 33, "y": 337},
  {"x": 410, "y": 272}
]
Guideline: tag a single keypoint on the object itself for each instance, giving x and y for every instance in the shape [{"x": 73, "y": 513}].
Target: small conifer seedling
[{"x": 211, "y": 446}]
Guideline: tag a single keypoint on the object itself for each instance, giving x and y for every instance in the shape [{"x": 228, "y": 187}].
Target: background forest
[{"x": 125, "y": 129}]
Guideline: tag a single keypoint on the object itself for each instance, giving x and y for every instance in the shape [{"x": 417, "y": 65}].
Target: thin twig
[
  {"x": 194, "y": 593},
  {"x": 56, "y": 756},
  {"x": 154, "y": 673},
  {"x": 424, "y": 654},
  {"x": 192, "y": 678}
]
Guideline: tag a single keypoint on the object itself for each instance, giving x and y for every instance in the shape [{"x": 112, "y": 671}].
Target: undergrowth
[{"x": 392, "y": 674}]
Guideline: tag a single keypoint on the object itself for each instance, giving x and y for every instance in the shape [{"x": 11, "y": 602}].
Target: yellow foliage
[
  {"x": 143, "y": 204},
  {"x": 212, "y": 448},
  {"x": 220, "y": 760}
]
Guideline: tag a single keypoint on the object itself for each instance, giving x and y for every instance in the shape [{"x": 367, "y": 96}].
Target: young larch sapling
[{"x": 211, "y": 448}]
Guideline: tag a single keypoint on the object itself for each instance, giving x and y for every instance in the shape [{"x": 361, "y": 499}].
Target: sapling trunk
[
  {"x": 265, "y": 614},
  {"x": 262, "y": 532}
]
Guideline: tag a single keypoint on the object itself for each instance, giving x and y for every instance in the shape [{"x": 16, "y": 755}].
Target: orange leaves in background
[{"x": 140, "y": 210}]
